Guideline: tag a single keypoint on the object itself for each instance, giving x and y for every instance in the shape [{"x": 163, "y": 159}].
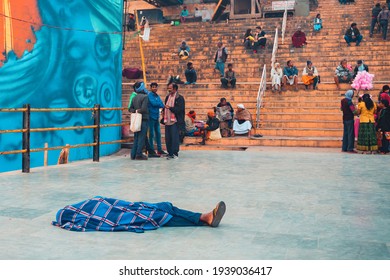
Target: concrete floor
[{"x": 282, "y": 204}]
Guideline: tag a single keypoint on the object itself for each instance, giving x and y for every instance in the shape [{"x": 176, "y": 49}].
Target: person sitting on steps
[
  {"x": 229, "y": 78},
  {"x": 310, "y": 75},
  {"x": 290, "y": 75},
  {"x": 343, "y": 74},
  {"x": 353, "y": 35},
  {"x": 242, "y": 123}
]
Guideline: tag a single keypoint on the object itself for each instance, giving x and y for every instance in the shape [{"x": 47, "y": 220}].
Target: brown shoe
[{"x": 218, "y": 213}]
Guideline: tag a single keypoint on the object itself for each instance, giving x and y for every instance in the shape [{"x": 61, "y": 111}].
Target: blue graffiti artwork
[{"x": 76, "y": 62}]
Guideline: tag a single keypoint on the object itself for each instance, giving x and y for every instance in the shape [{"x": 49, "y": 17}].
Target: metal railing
[
  {"x": 261, "y": 94},
  {"x": 284, "y": 23},
  {"x": 26, "y": 130},
  {"x": 275, "y": 48}
]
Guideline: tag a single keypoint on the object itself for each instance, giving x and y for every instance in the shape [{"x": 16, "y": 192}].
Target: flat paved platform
[{"x": 282, "y": 204}]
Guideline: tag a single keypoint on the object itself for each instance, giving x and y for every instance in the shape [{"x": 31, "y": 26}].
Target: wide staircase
[{"x": 303, "y": 118}]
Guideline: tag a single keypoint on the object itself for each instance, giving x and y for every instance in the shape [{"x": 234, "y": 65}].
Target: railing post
[
  {"x": 96, "y": 133},
  {"x": 26, "y": 139}
]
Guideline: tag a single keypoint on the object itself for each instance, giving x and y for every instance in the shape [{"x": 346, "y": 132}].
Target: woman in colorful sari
[
  {"x": 317, "y": 23},
  {"x": 367, "y": 141},
  {"x": 310, "y": 75}
]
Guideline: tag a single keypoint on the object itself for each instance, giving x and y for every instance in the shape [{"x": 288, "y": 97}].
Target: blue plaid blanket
[{"x": 110, "y": 214}]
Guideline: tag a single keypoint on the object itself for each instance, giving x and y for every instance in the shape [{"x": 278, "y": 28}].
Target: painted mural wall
[{"x": 59, "y": 54}]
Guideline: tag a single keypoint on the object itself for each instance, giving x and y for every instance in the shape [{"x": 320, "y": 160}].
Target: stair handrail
[
  {"x": 261, "y": 94},
  {"x": 284, "y": 23},
  {"x": 275, "y": 48}
]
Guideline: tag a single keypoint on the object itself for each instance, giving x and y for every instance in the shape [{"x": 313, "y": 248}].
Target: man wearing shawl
[
  {"x": 190, "y": 120},
  {"x": 173, "y": 113},
  {"x": 242, "y": 121},
  {"x": 299, "y": 38},
  {"x": 310, "y": 75},
  {"x": 110, "y": 214},
  {"x": 349, "y": 111}
]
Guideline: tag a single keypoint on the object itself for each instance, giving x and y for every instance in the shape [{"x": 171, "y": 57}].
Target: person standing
[
  {"x": 348, "y": 110},
  {"x": 155, "y": 103},
  {"x": 383, "y": 19},
  {"x": 374, "y": 18},
  {"x": 173, "y": 114},
  {"x": 220, "y": 58},
  {"x": 139, "y": 104},
  {"x": 367, "y": 141},
  {"x": 384, "y": 125}
]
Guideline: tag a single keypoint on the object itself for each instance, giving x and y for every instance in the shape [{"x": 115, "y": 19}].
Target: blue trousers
[
  {"x": 155, "y": 134},
  {"x": 221, "y": 67},
  {"x": 172, "y": 139},
  {"x": 349, "y": 39},
  {"x": 384, "y": 25},
  {"x": 180, "y": 217},
  {"x": 139, "y": 140},
  {"x": 348, "y": 136},
  {"x": 374, "y": 22}
]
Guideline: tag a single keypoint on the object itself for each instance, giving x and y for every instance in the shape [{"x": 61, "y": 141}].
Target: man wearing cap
[
  {"x": 360, "y": 66},
  {"x": 242, "y": 123},
  {"x": 299, "y": 38},
  {"x": 310, "y": 75},
  {"x": 139, "y": 104},
  {"x": 353, "y": 35}
]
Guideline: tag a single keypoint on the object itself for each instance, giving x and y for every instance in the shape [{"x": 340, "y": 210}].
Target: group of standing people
[
  {"x": 380, "y": 17},
  {"x": 373, "y": 123},
  {"x": 155, "y": 112}
]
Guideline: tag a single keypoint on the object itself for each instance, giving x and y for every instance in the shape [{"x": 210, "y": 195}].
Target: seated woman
[
  {"x": 212, "y": 124},
  {"x": 242, "y": 123},
  {"x": 110, "y": 214},
  {"x": 310, "y": 75},
  {"x": 276, "y": 77},
  {"x": 248, "y": 39},
  {"x": 317, "y": 23}
]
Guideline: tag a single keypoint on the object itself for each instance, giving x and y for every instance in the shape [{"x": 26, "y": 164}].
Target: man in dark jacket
[
  {"x": 353, "y": 35},
  {"x": 173, "y": 119},
  {"x": 384, "y": 124},
  {"x": 374, "y": 18},
  {"x": 360, "y": 66},
  {"x": 139, "y": 104}
]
